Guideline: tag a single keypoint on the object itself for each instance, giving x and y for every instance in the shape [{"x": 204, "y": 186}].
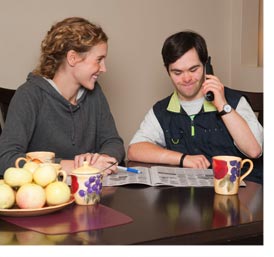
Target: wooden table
[{"x": 166, "y": 215}]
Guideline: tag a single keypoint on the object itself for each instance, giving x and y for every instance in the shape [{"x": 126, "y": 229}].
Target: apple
[
  {"x": 31, "y": 196},
  {"x": 16, "y": 177},
  {"x": 44, "y": 175},
  {"x": 7, "y": 196},
  {"x": 57, "y": 193},
  {"x": 31, "y": 166}
]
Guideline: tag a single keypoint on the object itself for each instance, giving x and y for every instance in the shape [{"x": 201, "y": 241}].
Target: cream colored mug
[
  {"x": 227, "y": 173},
  {"x": 32, "y": 159},
  {"x": 42, "y": 156}
]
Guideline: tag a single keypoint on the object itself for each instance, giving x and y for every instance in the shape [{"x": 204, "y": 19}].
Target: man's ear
[{"x": 72, "y": 57}]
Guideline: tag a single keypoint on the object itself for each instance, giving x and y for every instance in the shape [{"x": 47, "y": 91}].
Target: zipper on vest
[{"x": 192, "y": 125}]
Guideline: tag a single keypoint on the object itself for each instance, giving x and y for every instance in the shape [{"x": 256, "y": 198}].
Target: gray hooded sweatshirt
[{"x": 41, "y": 119}]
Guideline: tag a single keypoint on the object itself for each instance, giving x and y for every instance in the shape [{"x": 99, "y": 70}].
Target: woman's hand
[{"x": 99, "y": 161}]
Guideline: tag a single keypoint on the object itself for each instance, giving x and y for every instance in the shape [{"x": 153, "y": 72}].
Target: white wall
[{"x": 136, "y": 77}]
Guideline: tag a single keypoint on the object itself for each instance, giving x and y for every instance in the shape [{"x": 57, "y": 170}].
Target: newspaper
[{"x": 162, "y": 175}]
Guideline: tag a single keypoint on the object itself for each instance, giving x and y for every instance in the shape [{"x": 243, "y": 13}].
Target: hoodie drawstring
[{"x": 73, "y": 124}]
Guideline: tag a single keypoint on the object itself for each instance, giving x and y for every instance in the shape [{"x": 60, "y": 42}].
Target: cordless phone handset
[{"x": 209, "y": 70}]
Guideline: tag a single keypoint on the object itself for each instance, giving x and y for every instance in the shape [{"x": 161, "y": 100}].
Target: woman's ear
[{"x": 72, "y": 58}]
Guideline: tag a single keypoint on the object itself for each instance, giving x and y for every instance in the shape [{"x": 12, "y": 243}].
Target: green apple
[
  {"x": 57, "y": 193},
  {"x": 44, "y": 175},
  {"x": 16, "y": 177},
  {"x": 7, "y": 196}
]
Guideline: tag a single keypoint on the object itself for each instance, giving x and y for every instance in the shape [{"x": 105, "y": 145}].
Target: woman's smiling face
[{"x": 88, "y": 69}]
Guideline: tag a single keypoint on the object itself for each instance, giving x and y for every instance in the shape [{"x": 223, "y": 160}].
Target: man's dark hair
[{"x": 178, "y": 44}]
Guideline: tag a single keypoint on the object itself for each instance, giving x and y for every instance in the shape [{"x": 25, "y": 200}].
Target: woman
[{"x": 61, "y": 107}]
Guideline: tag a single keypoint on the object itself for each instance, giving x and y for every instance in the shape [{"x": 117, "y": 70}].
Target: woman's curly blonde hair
[{"x": 73, "y": 33}]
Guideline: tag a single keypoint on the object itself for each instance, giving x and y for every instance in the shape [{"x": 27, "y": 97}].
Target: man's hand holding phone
[{"x": 209, "y": 96}]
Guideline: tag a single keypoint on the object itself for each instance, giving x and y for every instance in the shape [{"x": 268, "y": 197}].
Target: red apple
[{"x": 31, "y": 196}]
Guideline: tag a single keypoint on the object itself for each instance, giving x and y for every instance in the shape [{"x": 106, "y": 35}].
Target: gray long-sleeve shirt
[{"x": 41, "y": 119}]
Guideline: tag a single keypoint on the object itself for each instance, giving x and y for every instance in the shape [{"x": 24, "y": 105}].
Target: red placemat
[{"x": 72, "y": 219}]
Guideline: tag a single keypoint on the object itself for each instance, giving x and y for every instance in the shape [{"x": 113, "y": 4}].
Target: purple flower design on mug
[
  {"x": 93, "y": 188},
  {"x": 235, "y": 170}
]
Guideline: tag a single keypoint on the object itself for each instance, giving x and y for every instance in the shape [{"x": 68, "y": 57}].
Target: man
[{"x": 185, "y": 129}]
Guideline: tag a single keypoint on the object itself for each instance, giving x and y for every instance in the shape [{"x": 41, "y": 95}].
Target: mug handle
[
  {"x": 63, "y": 174},
  {"x": 249, "y": 170},
  {"x": 20, "y": 159}
]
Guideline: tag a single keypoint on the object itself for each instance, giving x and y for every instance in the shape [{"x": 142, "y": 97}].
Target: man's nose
[{"x": 187, "y": 77}]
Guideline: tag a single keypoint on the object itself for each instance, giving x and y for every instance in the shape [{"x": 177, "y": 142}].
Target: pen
[
  {"x": 129, "y": 169},
  {"x": 108, "y": 166}
]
